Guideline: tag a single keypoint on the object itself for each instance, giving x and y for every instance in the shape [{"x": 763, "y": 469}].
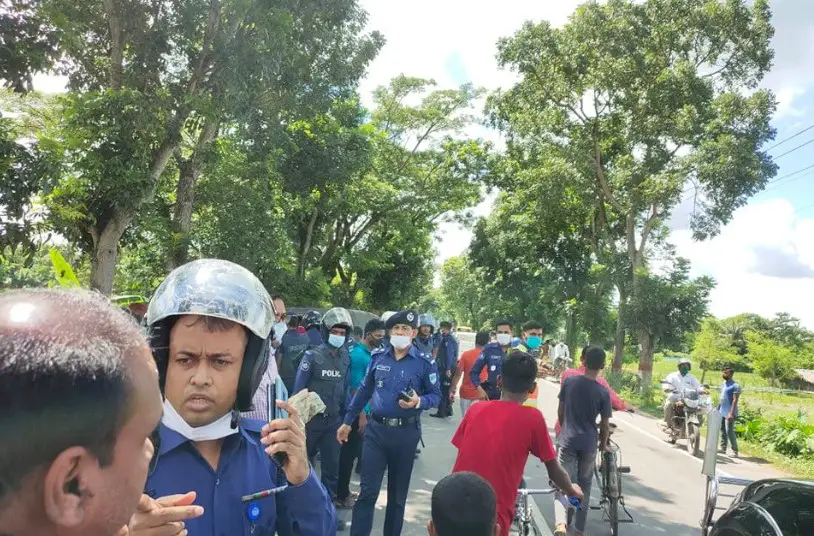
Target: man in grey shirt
[{"x": 582, "y": 399}]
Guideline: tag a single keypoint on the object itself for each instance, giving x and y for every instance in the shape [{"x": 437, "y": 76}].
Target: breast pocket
[
  {"x": 260, "y": 517},
  {"x": 383, "y": 378}
]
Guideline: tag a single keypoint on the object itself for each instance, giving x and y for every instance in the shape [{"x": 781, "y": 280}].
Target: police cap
[{"x": 407, "y": 317}]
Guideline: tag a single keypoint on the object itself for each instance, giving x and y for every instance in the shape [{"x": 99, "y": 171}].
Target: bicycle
[
  {"x": 608, "y": 472},
  {"x": 524, "y": 520}
]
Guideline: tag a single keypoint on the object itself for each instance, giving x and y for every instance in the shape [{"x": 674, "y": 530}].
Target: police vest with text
[{"x": 328, "y": 378}]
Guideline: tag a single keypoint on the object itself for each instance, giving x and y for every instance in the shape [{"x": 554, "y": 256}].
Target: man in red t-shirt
[
  {"x": 495, "y": 439},
  {"x": 469, "y": 393}
]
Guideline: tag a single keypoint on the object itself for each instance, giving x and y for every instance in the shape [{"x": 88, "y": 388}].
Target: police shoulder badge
[
  {"x": 305, "y": 365},
  {"x": 433, "y": 377}
]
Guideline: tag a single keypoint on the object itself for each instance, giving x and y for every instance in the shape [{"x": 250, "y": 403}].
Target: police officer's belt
[{"x": 394, "y": 421}]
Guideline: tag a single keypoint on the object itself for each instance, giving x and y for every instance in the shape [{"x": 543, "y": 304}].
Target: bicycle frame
[
  {"x": 609, "y": 464},
  {"x": 525, "y": 522}
]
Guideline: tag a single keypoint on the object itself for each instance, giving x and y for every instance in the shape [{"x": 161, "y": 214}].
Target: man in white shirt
[
  {"x": 676, "y": 382},
  {"x": 560, "y": 352}
]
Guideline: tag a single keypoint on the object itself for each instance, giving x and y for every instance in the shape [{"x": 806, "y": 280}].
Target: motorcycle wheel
[{"x": 693, "y": 440}]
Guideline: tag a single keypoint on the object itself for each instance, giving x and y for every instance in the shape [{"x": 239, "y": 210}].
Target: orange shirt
[{"x": 466, "y": 362}]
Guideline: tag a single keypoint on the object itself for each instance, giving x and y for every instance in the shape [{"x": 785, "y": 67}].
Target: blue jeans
[
  {"x": 728, "y": 432},
  {"x": 580, "y": 467}
]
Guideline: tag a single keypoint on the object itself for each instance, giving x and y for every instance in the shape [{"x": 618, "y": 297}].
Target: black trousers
[
  {"x": 351, "y": 451},
  {"x": 445, "y": 408}
]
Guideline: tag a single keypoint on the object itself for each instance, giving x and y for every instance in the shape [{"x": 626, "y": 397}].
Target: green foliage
[
  {"x": 713, "y": 350},
  {"x": 788, "y": 435},
  {"x": 771, "y": 359}
]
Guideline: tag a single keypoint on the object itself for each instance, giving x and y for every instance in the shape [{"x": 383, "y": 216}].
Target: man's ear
[
  {"x": 66, "y": 486},
  {"x": 431, "y": 528}
]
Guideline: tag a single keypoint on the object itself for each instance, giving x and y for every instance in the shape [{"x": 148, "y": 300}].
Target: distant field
[{"x": 769, "y": 403}]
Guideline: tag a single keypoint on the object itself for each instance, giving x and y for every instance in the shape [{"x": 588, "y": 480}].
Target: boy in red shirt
[{"x": 495, "y": 439}]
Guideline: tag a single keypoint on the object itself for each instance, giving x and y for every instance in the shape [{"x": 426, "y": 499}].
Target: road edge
[{"x": 539, "y": 520}]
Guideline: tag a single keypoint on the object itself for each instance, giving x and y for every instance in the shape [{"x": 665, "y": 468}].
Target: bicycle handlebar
[{"x": 526, "y": 491}]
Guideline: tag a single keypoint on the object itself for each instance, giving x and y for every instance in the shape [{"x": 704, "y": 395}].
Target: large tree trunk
[
  {"x": 619, "y": 337},
  {"x": 648, "y": 348},
  {"x": 571, "y": 330},
  {"x": 106, "y": 252},
  {"x": 190, "y": 171}
]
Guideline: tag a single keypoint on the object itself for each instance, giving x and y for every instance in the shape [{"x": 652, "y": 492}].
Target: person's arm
[
  {"x": 431, "y": 387},
  {"x": 559, "y": 477},
  {"x": 604, "y": 426},
  {"x": 308, "y": 507},
  {"x": 304, "y": 373},
  {"x": 736, "y": 394},
  {"x": 456, "y": 378},
  {"x": 363, "y": 394},
  {"x": 542, "y": 447},
  {"x": 278, "y": 357},
  {"x": 474, "y": 374},
  {"x": 616, "y": 401}
]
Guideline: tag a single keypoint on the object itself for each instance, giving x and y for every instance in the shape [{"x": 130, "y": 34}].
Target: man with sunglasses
[
  {"x": 79, "y": 397},
  {"x": 217, "y": 473}
]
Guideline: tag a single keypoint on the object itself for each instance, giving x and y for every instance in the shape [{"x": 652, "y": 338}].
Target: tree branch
[
  {"x": 114, "y": 21},
  {"x": 649, "y": 225}
]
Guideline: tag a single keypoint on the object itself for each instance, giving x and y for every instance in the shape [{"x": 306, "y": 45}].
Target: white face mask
[
  {"x": 400, "y": 342},
  {"x": 504, "y": 339},
  {"x": 336, "y": 340},
  {"x": 279, "y": 330},
  {"x": 216, "y": 430}
]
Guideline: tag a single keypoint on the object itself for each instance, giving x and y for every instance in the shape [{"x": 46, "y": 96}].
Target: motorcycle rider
[
  {"x": 678, "y": 381},
  {"x": 561, "y": 352}
]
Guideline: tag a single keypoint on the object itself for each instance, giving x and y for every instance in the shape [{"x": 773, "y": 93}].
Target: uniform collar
[{"x": 170, "y": 439}]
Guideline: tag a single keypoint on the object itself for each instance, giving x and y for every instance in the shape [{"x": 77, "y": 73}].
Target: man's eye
[{"x": 221, "y": 362}]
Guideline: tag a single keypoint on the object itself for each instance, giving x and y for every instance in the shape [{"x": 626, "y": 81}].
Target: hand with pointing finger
[{"x": 164, "y": 516}]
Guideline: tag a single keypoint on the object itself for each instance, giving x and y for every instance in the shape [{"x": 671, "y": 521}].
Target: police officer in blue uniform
[
  {"x": 210, "y": 323},
  {"x": 312, "y": 322},
  {"x": 492, "y": 357},
  {"x": 426, "y": 341},
  {"x": 293, "y": 345},
  {"x": 447, "y": 362},
  {"x": 401, "y": 381},
  {"x": 324, "y": 370}
]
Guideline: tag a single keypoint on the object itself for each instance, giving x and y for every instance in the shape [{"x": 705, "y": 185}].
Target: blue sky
[{"x": 763, "y": 260}]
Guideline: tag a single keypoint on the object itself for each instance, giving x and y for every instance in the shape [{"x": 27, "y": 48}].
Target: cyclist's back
[{"x": 495, "y": 438}]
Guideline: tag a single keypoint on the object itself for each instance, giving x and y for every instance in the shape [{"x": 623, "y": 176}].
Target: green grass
[{"x": 770, "y": 404}]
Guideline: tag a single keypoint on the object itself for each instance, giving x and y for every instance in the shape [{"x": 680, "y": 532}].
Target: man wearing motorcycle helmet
[
  {"x": 311, "y": 322},
  {"x": 210, "y": 324},
  {"x": 426, "y": 341},
  {"x": 674, "y": 384},
  {"x": 324, "y": 371}
]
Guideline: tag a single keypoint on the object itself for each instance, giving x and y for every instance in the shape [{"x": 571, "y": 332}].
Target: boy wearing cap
[{"x": 399, "y": 383}]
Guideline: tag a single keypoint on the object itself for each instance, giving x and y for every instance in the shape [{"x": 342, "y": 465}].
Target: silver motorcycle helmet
[
  {"x": 427, "y": 320},
  {"x": 337, "y": 317},
  {"x": 219, "y": 289}
]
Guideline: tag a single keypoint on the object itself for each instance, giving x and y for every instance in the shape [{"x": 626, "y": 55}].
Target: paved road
[{"x": 664, "y": 491}]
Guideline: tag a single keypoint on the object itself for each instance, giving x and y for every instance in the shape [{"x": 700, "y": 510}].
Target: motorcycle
[
  {"x": 560, "y": 364},
  {"x": 688, "y": 417}
]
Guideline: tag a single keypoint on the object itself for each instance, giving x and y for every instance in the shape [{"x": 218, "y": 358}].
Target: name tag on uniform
[
  {"x": 385, "y": 368},
  {"x": 331, "y": 374}
]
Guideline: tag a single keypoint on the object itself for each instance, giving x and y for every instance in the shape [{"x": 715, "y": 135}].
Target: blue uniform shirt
[
  {"x": 492, "y": 357},
  {"x": 386, "y": 377},
  {"x": 244, "y": 468}
]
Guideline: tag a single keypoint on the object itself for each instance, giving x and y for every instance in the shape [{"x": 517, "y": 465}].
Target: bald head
[{"x": 73, "y": 368}]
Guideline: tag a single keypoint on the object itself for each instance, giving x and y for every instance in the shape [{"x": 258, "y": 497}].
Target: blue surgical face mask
[
  {"x": 533, "y": 342},
  {"x": 336, "y": 340}
]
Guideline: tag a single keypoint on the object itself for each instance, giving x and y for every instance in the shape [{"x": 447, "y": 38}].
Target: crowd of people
[{"x": 189, "y": 430}]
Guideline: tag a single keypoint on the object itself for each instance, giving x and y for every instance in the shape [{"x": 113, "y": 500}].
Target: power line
[
  {"x": 792, "y": 150},
  {"x": 781, "y": 142}
]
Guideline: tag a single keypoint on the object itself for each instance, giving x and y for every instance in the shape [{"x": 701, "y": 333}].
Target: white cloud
[{"x": 737, "y": 259}]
